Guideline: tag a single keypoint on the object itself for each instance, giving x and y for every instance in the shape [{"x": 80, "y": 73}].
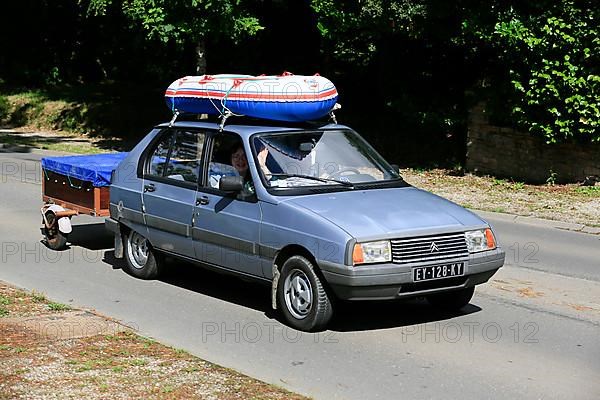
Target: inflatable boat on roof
[{"x": 287, "y": 97}]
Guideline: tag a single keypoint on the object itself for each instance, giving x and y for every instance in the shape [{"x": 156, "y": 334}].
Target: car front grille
[{"x": 429, "y": 248}]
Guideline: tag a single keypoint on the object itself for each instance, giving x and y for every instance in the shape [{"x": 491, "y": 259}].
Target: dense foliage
[
  {"x": 182, "y": 20},
  {"x": 412, "y": 67},
  {"x": 354, "y": 30},
  {"x": 548, "y": 52},
  {"x": 552, "y": 58}
]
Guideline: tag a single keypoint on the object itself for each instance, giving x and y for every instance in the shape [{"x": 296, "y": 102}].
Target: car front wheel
[
  {"x": 141, "y": 260},
  {"x": 451, "y": 301},
  {"x": 302, "y": 297}
]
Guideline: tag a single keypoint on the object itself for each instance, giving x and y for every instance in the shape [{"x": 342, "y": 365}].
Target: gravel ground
[{"x": 569, "y": 203}]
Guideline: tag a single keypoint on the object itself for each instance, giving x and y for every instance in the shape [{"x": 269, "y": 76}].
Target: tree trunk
[
  {"x": 201, "y": 64},
  {"x": 201, "y": 57}
]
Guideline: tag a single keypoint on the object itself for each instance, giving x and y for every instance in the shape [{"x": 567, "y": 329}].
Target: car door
[
  {"x": 225, "y": 231},
  {"x": 171, "y": 174}
]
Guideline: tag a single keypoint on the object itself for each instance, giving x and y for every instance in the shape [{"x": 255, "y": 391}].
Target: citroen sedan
[{"x": 312, "y": 211}]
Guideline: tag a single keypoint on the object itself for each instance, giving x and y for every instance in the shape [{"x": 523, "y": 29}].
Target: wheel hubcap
[
  {"x": 298, "y": 294},
  {"x": 138, "y": 250}
]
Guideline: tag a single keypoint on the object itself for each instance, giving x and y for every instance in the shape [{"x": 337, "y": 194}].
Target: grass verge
[
  {"x": 112, "y": 116},
  {"x": 105, "y": 363},
  {"x": 18, "y": 141}
]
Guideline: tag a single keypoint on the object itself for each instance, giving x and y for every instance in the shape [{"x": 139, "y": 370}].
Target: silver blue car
[{"x": 312, "y": 211}]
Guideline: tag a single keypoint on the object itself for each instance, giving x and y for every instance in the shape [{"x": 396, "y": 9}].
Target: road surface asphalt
[{"x": 532, "y": 332}]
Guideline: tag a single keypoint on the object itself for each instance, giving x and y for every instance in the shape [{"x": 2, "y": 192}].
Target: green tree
[
  {"x": 558, "y": 92},
  {"x": 353, "y": 30},
  {"x": 186, "y": 21},
  {"x": 550, "y": 53}
]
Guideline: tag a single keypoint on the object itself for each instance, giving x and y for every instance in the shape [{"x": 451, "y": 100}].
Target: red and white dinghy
[{"x": 284, "y": 97}]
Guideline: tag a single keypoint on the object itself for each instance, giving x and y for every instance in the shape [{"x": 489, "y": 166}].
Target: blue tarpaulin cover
[{"x": 95, "y": 168}]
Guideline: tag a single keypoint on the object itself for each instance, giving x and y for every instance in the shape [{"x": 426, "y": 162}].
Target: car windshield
[{"x": 315, "y": 158}]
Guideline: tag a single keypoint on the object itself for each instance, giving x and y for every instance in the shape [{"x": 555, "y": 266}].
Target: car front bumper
[{"x": 393, "y": 281}]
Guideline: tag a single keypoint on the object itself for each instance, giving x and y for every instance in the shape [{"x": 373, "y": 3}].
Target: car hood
[{"x": 393, "y": 212}]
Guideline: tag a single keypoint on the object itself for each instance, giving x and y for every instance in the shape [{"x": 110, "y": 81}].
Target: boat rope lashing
[
  {"x": 226, "y": 112},
  {"x": 224, "y": 101},
  {"x": 204, "y": 80},
  {"x": 236, "y": 82},
  {"x": 215, "y": 106},
  {"x": 173, "y": 110}
]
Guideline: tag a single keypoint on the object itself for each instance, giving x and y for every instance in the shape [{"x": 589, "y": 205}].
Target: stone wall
[{"x": 507, "y": 153}]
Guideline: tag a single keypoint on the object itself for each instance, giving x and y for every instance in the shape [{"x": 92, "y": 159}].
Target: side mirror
[{"x": 232, "y": 184}]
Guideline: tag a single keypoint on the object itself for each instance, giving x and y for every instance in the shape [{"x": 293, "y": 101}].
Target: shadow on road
[
  {"x": 349, "y": 316},
  {"x": 363, "y": 316},
  {"x": 251, "y": 294},
  {"x": 91, "y": 236}
]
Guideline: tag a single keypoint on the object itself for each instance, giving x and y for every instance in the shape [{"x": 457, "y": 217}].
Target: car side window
[
  {"x": 228, "y": 158},
  {"x": 160, "y": 155},
  {"x": 177, "y": 156}
]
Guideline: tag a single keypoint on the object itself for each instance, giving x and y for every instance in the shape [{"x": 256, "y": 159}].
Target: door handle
[
  {"x": 149, "y": 187},
  {"x": 202, "y": 201}
]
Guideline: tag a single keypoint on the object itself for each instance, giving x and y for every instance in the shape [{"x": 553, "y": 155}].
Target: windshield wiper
[
  {"x": 314, "y": 178},
  {"x": 384, "y": 183}
]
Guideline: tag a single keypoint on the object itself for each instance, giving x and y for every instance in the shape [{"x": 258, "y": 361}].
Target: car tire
[
  {"x": 452, "y": 301},
  {"x": 302, "y": 297},
  {"x": 141, "y": 261},
  {"x": 55, "y": 239}
]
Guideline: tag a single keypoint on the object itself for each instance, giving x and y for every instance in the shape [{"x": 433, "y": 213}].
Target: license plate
[{"x": 438, "y": 272}]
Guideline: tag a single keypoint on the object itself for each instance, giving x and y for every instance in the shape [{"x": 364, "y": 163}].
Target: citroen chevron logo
[{"x": 433, "y": 247}]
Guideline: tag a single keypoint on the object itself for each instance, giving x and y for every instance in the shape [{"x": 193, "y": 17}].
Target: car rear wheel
[
  {"x": 452, "y": 301},
  {"x": 141, "y": 260},
  {"x": 302, "y": 297}
]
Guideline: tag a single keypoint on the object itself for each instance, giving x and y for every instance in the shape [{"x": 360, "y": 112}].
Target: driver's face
[{"x": 239, "y": 161}]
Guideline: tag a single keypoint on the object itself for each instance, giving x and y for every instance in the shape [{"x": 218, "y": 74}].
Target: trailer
[{"x": 74, "y": 185}]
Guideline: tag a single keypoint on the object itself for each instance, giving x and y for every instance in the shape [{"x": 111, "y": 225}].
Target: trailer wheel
[
  {"x": 55, "y": 239},
  {"x": 141, "y": 260}
]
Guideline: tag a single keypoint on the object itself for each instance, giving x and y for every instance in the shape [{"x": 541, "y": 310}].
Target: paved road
[{"x": 533, "y": 332}]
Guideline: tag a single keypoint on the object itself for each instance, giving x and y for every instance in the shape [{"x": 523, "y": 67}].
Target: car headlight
[
  {"x": 372, "y": 252},
  {"x": 480, "y": 240}
]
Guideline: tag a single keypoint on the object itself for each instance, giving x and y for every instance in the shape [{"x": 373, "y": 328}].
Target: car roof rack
[{"x": 245, "y": 120}]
